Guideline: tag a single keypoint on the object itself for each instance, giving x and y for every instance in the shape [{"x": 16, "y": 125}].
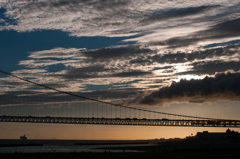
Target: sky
[{"x": 174, "y": 56}]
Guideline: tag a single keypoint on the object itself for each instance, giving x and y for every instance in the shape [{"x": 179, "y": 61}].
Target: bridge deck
[{"x": 123, "y": 121}]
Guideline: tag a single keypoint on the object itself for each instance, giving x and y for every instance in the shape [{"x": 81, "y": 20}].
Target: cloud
[
  {"x": 183, "y": 57},
  {"x": 108, "y": 18},
  {"x": 110, "y": 66},
  {"x": 81, "y": 58},
  {"x": 221, "y": 32},
  {"x": 124, "y": 55},
  {"x": 100, "y": 71},
  {"x": 134, "y": 57},
  {"x": 84, "y": 72},
  {"x": 39, "y": 98},
  {"x": 2, "y": 20},
  {"x": 135, "y": 73},
  {"x": 114, "y": 65},
  {"x": 75, "y": 5},
  {"x": 29, "y": 71},
  {"x": 163, "y": 25},
  {"x": 115, "y": 53},
  {"x": 221, "y": 87},
  {"x": 41, "y": 63},
  {"x": 34, "y": 98},
  {"x": 176, "y": 13},
  {"x": 55, "y": 53},
  {"x": 212, "y": 67}
]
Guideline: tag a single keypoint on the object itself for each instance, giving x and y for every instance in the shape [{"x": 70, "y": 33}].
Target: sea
[{"x": 69, "y": 146}]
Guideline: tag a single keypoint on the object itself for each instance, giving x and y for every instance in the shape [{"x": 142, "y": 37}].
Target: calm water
[{"x": 65, "y": 146}]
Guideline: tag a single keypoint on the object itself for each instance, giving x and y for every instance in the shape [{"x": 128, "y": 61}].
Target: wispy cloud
[
  {"x": 221, "y": 32},
  {"x": 55, "y": 53},
  {"x": 110, "y": 18}
]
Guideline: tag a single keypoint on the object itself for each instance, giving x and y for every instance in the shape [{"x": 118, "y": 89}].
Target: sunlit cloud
[{"x": 209, "y": 89}]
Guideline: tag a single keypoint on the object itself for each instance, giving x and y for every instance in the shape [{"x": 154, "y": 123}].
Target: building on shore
[{"x": 218, "y": 135}]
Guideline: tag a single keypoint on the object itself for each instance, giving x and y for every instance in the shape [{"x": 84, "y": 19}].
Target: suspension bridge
[{"x": 94, "y": 111}]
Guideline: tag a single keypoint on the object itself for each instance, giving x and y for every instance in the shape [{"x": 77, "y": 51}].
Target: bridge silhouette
[{"x": 94, "y": 111}]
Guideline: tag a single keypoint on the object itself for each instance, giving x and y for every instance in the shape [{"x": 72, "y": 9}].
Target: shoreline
[{"x": 189, "y": 155}]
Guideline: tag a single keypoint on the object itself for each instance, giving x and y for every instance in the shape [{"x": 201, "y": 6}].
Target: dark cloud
[
  {"x": 175, "y": 13},
  {"x": 89, "y": 69},
  {"x": 212, "y": 67},
  {"x": 141, "y": 61},
  {"x": 118, "y": 93},
  {"x": 37, "y": 98},
  {"x": 154, "y": 86},
  {"x": 11, "y": 83},
  {"x": 147, "y": 57},
  {"x": 223, "y": 30},
  {"x": 30, "y": 97},
  {"x": 182, "y": 57},
  {"x": 99, "y": 71},
  {"x": 44, "y": 61},
  {"x": 229, "y": 27},
  {"x": 115, "y": 53},
  {"x": 26, "y": 88},
  {"x": 135, "y": 73},
  {"x": 53, "y": 85},
  {"x": 83, "y": 73},
  {"x": 220, "y": 87},
  {"x": 160, "y": 68},
  {"x": 37, "y": 63}
]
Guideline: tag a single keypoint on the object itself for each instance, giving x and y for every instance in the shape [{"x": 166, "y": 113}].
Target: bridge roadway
[{"x": 123, "y": 121}]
